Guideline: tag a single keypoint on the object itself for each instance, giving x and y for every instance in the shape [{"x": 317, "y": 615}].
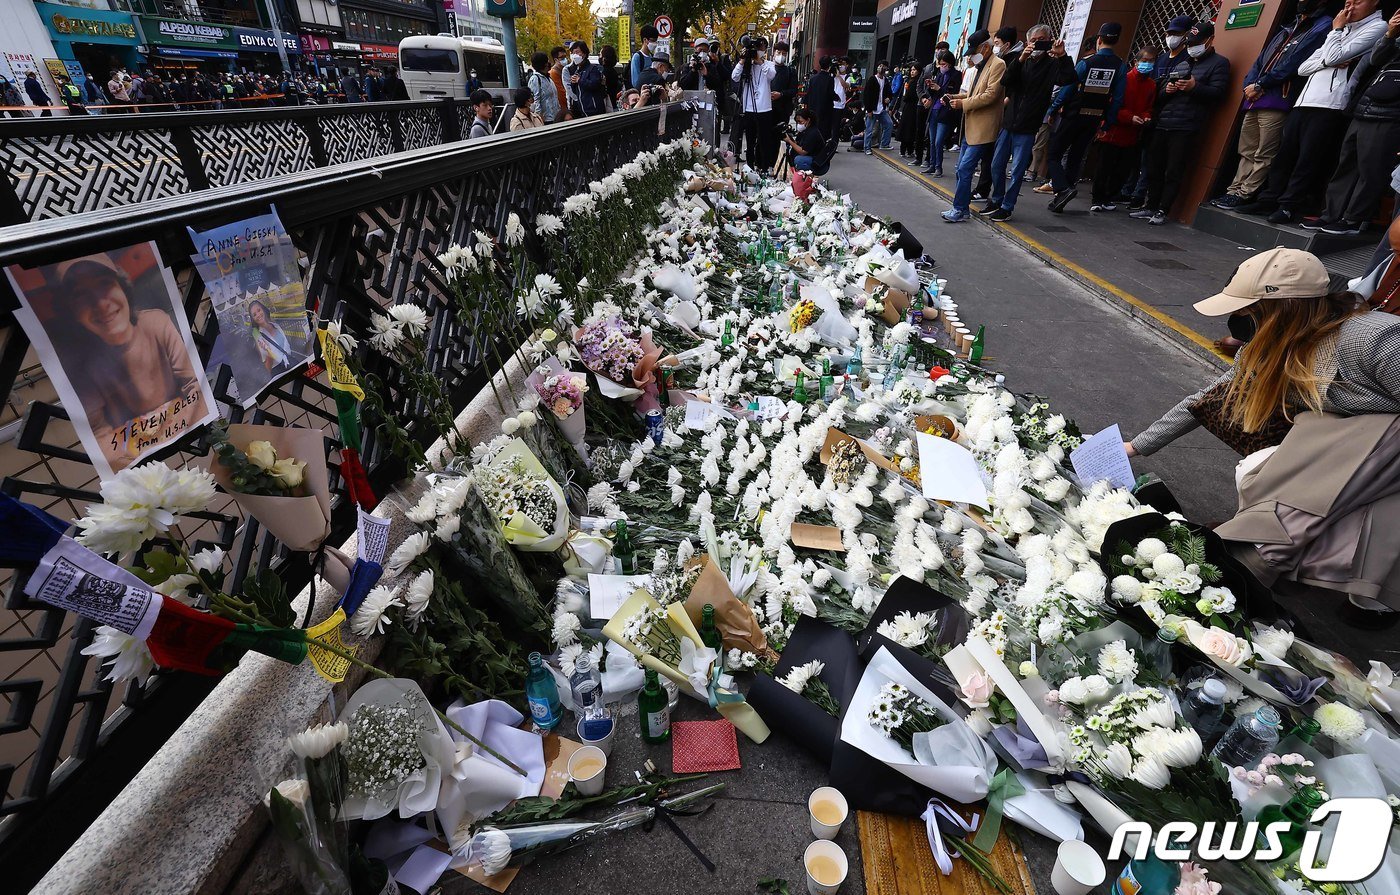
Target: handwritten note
[
  {"x": 770, "y": 407},
  {"x": 699, "y": 413},
  {"x": 607, "y": 593},
  {"x": 1103, "y": 458},
  {"x": 948, "y": 471}
]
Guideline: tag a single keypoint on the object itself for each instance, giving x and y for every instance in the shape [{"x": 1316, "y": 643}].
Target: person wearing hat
[
  {"x": 1188, "y": 94},
  {"x": 821, "y": 95},
  {"x": 124, "y": 363},
  {"x": 1270, "y": 86},
  {"x": 753, "y": 80},
  {"x": 641, "y": 59},
  {"x": 1088, "y": 106},
  {"x": 656, "y": 75},
  {"x": 981, "y": 107},
  {"x": 703, "y": 71},
  {"x": 1174, "y": 50}
]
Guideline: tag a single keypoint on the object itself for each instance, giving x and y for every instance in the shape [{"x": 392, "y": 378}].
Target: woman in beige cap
[{"x": 1312, "y": 350}]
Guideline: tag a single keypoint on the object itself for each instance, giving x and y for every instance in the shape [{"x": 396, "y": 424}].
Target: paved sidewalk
[{"x": 1156, "y": 272}]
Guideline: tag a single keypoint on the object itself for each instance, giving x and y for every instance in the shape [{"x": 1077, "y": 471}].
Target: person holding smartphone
[{"x": 806, "y": 142}]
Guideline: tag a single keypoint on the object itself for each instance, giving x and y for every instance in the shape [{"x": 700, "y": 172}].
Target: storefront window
[{"x": 376, "y": 27}]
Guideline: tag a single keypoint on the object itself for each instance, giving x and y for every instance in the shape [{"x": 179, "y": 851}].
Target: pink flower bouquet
[{"x": 561, "y": 392}]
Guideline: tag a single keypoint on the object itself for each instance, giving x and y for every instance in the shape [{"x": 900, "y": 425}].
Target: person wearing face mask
[
  {"x": 1032, "y": 76},
  {"x": 840, "y": 90},
  {"x": 753, "y": 79},
  {"x": 1174, "y": 44},
  {"x": 876, "y": 97},
  {"x": 821, "y": 94},
  {"x": 473, "y": 82},
  {"x": 784, "y": 85},
  {"x": 913, "y": 120},
  {"x": 1187, "y": 95},
  {"x": 1270, "y": 86},
  {"x": 641, "y": 59},
  {"x": 703, "y": 71},
  {"x": 1313, "y": 131},
  {"x": 980, "y": 102},
  {"x": 1005, "y": 45},
  {"x": 1088, "y": 106},
  {"x": 807, "y": 143},
  {"x": 942, "y": 117},
  {"x": 584, "y": 82},
  {"x": 1118, "y": 144}
]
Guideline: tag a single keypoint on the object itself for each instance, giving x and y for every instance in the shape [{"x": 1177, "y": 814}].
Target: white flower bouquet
[
  {"x": 526, "y": 499},
  {"x": 395, "y": 752}
]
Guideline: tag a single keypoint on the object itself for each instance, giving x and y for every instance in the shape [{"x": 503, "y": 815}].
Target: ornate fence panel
[
  {"x": 370, "y": 233},
  {"x": 55, "y": 167}
]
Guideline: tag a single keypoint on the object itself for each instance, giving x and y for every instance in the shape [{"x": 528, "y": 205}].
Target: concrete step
[{"x": 1254, "y": 231}]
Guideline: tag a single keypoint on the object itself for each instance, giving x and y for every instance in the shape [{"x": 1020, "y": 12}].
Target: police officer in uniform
[
  {"x": 1089, "y": 106},
  {"x": 72, "y": 95}
]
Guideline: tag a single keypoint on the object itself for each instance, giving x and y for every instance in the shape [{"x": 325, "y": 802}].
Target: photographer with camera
[
  {"x": 784, "y": 84},
  {"x": 753, "y": 77},
  {"x": 703, "y": 71},
  {"x": 805, "y": 141}
]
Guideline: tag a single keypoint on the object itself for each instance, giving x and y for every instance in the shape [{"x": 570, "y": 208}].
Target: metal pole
[
  {"x": 512, "y": 57},
  {"x": 276, "y": 23}
]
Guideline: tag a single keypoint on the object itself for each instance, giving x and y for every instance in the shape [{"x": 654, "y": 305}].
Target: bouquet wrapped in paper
[
  {"x": 306, "y": 809},
  {"x": 623, "y": 361},
  {"x": 561, "y": 392},
  {"x": 396, "y": 751},
  {"x": 528, "y": 502},
  {"x": 277, "y": 475},
  {"x": 664, "y": 639}
]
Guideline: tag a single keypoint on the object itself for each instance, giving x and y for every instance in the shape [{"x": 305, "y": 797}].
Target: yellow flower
[
  {"x": 261, "y": 454},
  {"x": 289, "y": 473}
]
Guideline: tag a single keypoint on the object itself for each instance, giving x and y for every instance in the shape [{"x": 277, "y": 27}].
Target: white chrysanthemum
[
  {"x": 419, "y": 594},
  {"x": 1273, "y": 641},
  {"x": 140, "y": 503},
  {"x": 1127, "y": 588},
  {"x": 1117, "y": 760},
  {"x": 338, "y": 334},
  {"x": 1151, "y": 773},
  {"x": 548, "y": 224},
  {"x": 373, "y": 615},
  {"x": 1148, "y": 549},
  {"x": 318, "y": 741},
  {"x": 515, "y": 231},
  {"x": 796, "y": 679},
  {"x": 566, "y": 628},
  {"x": 1117, "y": 662},
  {"x": 412, "y": 318},
  {"x": 547, "y": 286},
  {"x": 1340, "y": 722},
  {"x": 131, "y": 659},
  {"x": 413, "y": 546},
  {"x": 385, "y": 334},
  {"x": 1168, "y": 564}
]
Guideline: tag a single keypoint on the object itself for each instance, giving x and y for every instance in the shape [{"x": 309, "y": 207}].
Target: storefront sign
[
  {"x": 315, "y": 43},
  {"x": 88, "y": 26},
  {"x": 345, "y": 46},
  {"x": 380, "y": 52},
  {"x": 178, "y": 33},
  {"x": 904, "y": 11},
  {"x": 1244, "y": 16},
  {"x": 256, "y": 40},
  {"x": 862, "y": 24}
]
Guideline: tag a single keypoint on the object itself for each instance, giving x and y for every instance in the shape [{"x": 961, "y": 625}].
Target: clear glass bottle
[
  {"x": 1249, "y": 739},
  {"x": 586, "y": 687},
  {"x": 653, "y": 711},
  {"x": 853, "y": 366},
  {"x": 542, "y": 694},
  {"x": 1204, "y": 710}
]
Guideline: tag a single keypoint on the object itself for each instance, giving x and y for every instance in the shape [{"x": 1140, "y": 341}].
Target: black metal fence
[
  {"x": 370, "y": 232},
  {"x": 56, "y": 167}
]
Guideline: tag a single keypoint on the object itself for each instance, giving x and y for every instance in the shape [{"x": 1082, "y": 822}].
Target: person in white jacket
[
  {"x": 1312, "y": 135},
  {"x": 753, "y": 82}
]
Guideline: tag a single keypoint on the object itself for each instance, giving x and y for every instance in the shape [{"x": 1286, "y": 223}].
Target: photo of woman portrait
[
  {"x": 274, "y": 347},
  {"x": 111, "y": 334}
]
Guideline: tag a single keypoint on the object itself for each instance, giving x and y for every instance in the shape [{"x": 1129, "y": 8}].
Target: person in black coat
[
  {"x": 821, "y": 93},
  {"x": 703, "y": 70},
  {"x": 584, "y": 83},
  {"x": 877, "y": 98},
  {"x": 784, "y": 85},
  {"x": 37, "y": 95}
]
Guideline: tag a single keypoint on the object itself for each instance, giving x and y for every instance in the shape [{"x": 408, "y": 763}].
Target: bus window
[
  {"x": 489, "y": 67},
  {"x": 423, "y": 59}
]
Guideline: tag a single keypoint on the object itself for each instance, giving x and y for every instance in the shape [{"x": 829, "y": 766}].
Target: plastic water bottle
[
  {"x": 587, "y": 688},
  {"x": 1204, "y": 710},
  {"x": 1249, "y": 739}
]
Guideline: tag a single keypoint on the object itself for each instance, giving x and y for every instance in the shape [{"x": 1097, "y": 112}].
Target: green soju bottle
[
  {"x": 542, "y": 694},
  {"x": 1297, "y": 813},
  {"x": 622, "y": 549},
  {"x": 728, "y": 338},
  {"x": 828, "y": 382},
  {"x": 653, "y": 711},
  {"x": 974, "y": 353},
  {"x": 799, "y": 392},
  {"x": 709, "y": 634}
]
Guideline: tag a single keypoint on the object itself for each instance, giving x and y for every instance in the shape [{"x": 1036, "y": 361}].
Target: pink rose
[
  {"x": 1223, "y": 645},
  {"x": 563, "y": 407},
  {"x": 977, "y": 690}
]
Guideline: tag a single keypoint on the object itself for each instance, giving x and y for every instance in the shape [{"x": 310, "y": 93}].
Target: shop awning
[{"x": 198, "y": 54}]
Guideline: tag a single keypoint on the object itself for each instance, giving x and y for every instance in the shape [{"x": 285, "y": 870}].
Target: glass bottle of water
[
  {"x": 1204, "y": 710},
  {"x": 586, "y": 686},
  {"x": 1249, "y": 739}
]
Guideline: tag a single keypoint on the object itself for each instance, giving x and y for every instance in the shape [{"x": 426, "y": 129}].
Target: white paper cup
[
  {"x": 592, "y": 784},
  {"x": 1078, "y": 868},
  {"x": 605, "y": 743},
  {"x": 827, "y": 794},
  {"x": 830, "y": 850}
]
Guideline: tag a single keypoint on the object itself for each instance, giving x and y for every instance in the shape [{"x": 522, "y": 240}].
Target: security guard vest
[{"x": 1096, "y": 92}]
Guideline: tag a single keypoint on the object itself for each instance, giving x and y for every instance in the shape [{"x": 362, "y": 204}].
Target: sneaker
[
  {"x": 1029, "y": 177},
  {"x": 1103, "y": 206},
  {"x": 1257, "y": 207},
  {"x": 953, "y": 216},
  {"x": 1063, "y": 198},
  {"x": 1136, "y": 204},
  {"x": 1282, "y": 216},
  {"x": 1142, "y": 214},
  {"x": 937, "y": 172},
  {"x": 928, "y": 170},
  {"x": 1044, "y": 188},
  {"x": 1343, "y": 228},
  {"x": 869, "y": 152},
  {"x": 1158, "y": 219},
  {"x": 988, "y": 208},
  {"x": 1228, "y": 201},
  {"x": 1315, "y": 224},
  {"x": 914, "y": 163},
  {"x": 979, "y": 196},
  {"x": 1001, "y": 214}
]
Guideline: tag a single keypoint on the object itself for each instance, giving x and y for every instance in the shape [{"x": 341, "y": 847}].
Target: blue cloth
[
  {"x": 969, "y": 157},
  {"x": 1016, "y": 149},
  {"x": 886, "y": 125},
  {"x": 802, "y": 162}
]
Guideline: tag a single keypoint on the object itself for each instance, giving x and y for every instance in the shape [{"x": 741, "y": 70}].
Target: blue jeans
[
  {"x": 802, "y": 162},
  {"x": 969, "y": 157},
  {"x": 941, "y": 131},
  {"x": 886, "y": 125},
  {"x": 1016, "y": 149}
]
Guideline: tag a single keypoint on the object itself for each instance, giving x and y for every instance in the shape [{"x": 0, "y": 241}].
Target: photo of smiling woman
[{"x": 111, "y": 334}]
